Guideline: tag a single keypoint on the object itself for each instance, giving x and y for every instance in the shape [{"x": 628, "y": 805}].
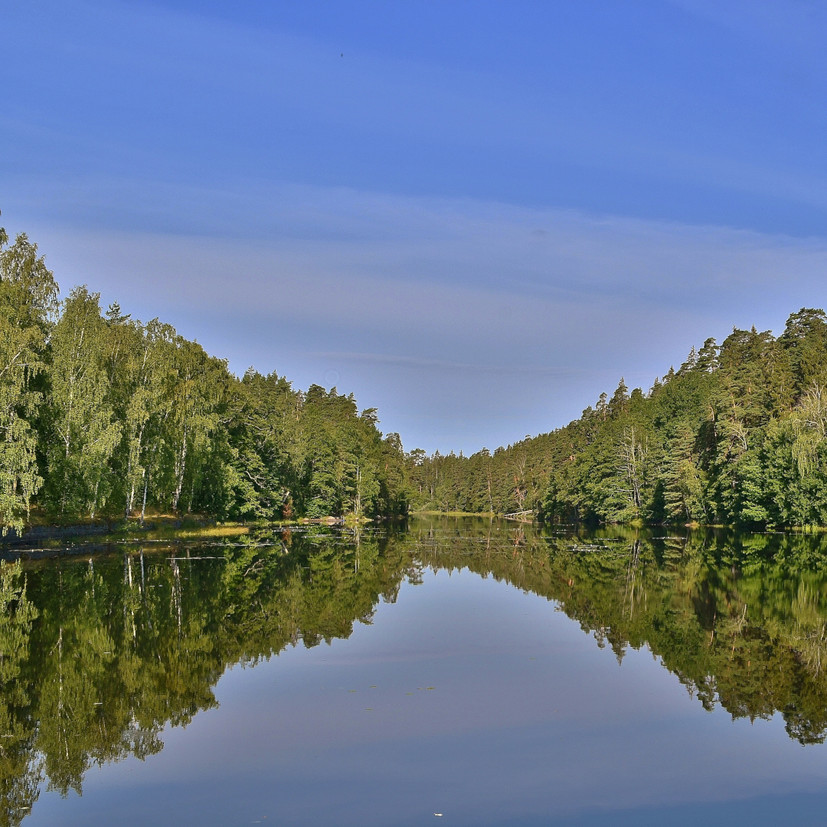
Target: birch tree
[
  {"x": 85, "y": 433},
  {"x": 28, "y": 302}
]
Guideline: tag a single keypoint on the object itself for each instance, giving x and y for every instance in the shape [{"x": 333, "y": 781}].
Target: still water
[{"x": 460, "y": 672}]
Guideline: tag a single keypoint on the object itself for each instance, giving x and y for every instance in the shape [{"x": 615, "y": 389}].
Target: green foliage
[
  {"x": 28, "y": 296},
  {"x": 738, "y": 435},
  {"x": 101, "y": 415},
  {"x": 84, "y": 432}
]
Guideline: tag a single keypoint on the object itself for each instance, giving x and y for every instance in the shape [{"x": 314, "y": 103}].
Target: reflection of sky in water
[{"x": 469, "y": 698}]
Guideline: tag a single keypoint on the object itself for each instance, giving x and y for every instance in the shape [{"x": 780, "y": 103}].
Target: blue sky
[{"x": 476, "y": 216}]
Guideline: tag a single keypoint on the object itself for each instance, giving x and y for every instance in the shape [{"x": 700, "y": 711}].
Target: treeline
[
  {"x": 737, "y": 435},
  {"x": 508, "y": 480},
  {"x": 102, "y": 415}
]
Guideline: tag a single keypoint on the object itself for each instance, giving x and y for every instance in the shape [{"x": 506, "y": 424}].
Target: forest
[
  {"x": 103, "y": 416},
  {"x": 735, "y": 436}
]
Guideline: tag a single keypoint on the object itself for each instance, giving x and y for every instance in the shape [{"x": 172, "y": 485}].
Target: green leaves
[
  {"x": 737, "y": 435},
  {"x": 28, "y": 296},
  {"x": 84, "y": 432},
  {"x": 118, "y": 416}
]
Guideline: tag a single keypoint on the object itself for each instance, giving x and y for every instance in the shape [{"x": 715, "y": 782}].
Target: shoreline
[{"x": 166, "y": 528}]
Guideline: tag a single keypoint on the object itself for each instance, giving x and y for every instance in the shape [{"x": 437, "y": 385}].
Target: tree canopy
[
  {"x": 735, "y": 436},
  {"x": 103, "y": 415}
]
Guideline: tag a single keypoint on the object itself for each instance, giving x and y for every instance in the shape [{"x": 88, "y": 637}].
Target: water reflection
[
  {"x": 99, "y": 655},
  {"x": 740, "y": 619}
]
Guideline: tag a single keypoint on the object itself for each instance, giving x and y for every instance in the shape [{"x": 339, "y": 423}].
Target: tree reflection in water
[{"x": 98, "y": 656}]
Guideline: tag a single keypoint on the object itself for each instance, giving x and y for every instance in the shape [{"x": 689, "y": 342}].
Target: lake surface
[{"x": 458, "y": 671}]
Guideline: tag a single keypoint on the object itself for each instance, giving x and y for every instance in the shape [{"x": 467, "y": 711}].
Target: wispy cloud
[
  {"x": 442, "y": 365},
  {"x": 415, "y": 304}
]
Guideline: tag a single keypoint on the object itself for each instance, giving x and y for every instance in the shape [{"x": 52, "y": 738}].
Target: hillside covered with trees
[
  {"x": 103, "y": 415},
  {"x": 737, "y": 435}
]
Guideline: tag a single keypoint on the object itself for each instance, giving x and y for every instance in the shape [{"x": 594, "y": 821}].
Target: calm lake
[{"x": 452, "y": 672}]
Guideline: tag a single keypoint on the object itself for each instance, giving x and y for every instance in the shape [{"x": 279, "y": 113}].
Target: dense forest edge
[
  {"x": 736, "y": 436},
  {"x": 104, "y": 417}
]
